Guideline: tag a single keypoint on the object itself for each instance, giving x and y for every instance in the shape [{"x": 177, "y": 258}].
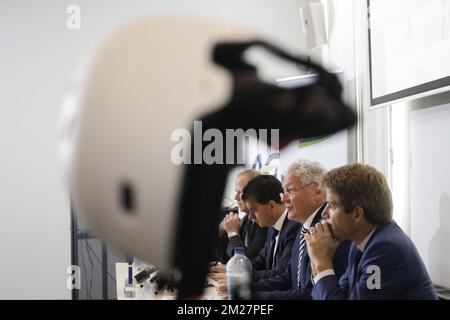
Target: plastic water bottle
[{"x": 239, "y": 275}]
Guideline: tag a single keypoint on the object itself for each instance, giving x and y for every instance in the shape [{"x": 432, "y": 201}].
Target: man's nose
[{"x": 237, "y": 196}]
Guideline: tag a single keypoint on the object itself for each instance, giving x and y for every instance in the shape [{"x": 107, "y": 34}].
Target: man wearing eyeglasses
[{"x": 305, "y": 201}]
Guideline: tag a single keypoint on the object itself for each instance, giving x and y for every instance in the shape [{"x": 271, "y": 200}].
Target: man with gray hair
[
  {"x": 235, "y": 232},
  {"x": 305, "y": 201}
]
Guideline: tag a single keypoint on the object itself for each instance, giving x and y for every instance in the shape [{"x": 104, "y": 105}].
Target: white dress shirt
[{"x": 277, "y": 226}]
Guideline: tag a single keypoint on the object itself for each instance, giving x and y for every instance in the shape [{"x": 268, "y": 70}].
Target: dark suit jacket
[
  {"x": 284, "y": 286},
  {"x": 402, "y": 273},
  {"x": 251, "y": 237},
  {"x": 263, "y": 264}
]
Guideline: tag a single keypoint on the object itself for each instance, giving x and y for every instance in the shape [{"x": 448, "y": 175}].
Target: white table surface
[{"x": 147, "y": 292}]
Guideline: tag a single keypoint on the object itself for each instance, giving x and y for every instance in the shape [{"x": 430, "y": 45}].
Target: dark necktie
[
  {"x": 273, "y": 245},
  {"x": 301, "y": 249},
  {"x": 356, "y": 264},
  {"x": 248, "y": 232}
]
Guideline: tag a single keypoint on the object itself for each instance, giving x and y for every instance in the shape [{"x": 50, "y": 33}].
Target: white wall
[
  {"x": 374, "y": 134},
  {"x": 35, "y": 61},
  {"x": 430, "y": 185},
  {"x": 347, "y": 50},
  {"x": 384, "y": 133},
  {"x": 339, "y": 54},
  {"x": 37, "y": 58}
]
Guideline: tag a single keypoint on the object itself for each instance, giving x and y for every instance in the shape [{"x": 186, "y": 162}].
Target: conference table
[{"x": 148, "y": 291}]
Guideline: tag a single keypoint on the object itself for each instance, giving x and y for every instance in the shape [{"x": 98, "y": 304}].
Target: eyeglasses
[{"x": 290, "y": 193}]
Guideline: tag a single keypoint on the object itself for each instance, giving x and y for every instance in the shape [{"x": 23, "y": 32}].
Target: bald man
[{"x": 235, "y": 232}]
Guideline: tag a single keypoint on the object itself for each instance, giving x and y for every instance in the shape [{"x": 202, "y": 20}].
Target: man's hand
[
  {"x": 218, "y": 276},
  {"x": 222, "y": 288},
  {"x": 222, "y": 226},
  {"x": 217, "y": 271},
  {"x": 321, "y": 246},
  {"x": 219, "y": 268},
  {"x": 232, "y": 223}
]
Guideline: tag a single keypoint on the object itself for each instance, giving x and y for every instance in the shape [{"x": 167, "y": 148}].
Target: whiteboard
[
  {"x": 430, "y": 189},
  {"x": 409, "y": 44}
]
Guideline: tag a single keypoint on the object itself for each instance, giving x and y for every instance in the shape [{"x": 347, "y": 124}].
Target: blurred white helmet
[{"x": 145, "y": 81}]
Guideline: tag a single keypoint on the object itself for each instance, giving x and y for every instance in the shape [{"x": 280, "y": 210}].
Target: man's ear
[
  {"x": 319, "y": 193},
  {"x": 358, "y": 213},
  {"x": 272, "y": 204}
]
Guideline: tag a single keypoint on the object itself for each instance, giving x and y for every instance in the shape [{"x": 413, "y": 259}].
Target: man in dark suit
[
  {"x": 235, "y": 232},
  {"x": 383, "y": 262},
  {"x": 305, "y": 201},
  {"x": 261, "y": 196}
]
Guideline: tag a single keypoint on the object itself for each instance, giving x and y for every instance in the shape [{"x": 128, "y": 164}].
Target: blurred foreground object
[{"x": 147, "y": 80}]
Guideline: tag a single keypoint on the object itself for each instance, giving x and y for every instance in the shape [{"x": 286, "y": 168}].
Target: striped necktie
[
  {"x": 300, "y": 254},
  {"x": 273, "y": 246}
]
